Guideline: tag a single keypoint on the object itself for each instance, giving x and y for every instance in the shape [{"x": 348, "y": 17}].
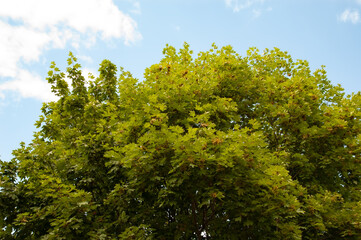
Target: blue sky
[{"x": 133, "y": 33}]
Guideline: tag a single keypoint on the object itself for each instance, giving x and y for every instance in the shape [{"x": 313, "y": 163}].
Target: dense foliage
[{"x": 214, "y": 147}]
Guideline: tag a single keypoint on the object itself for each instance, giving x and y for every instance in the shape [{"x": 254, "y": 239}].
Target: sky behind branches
[{"x": 132, "y": 34}]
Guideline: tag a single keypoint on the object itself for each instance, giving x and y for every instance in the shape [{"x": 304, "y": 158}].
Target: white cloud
[
  {"x": 27, "y": 44},
  {"x": 238, "y": 5},
  {"x": 358, "y": 1},
  {"x": 40, "y": 25},
  {"x": 348, "y": 15},
  {"x": 28, "y": 85},
  {"x": 80, "y": 15}
]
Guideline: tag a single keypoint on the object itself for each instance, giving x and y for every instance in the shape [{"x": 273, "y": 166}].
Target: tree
[{"x": 214, "y": 147}]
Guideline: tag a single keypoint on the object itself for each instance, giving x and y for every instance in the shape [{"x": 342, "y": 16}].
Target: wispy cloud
[
  {"x": 348, "y": 15},
  {"x": 258, "y": 12},
  {"x": 42, "y": 25},
  {"x": 85, "y": 58},
  {"x": 136, "y": 8},
  {"x": 238, "y": 5},
  {"x": 133, "y": 6}
]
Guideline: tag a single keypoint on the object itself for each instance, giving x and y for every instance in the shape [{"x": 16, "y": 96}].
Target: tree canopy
[{"x": 207, "y": 146}]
